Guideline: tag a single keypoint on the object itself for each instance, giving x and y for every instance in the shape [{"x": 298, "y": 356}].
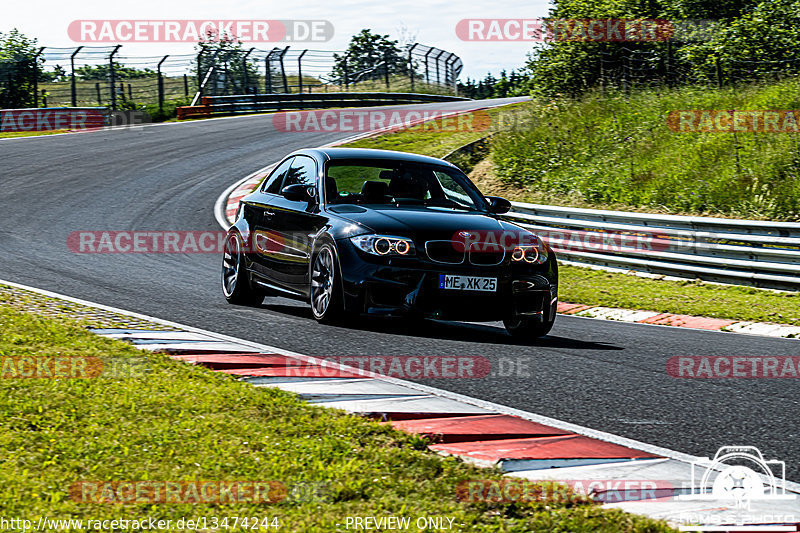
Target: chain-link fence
[
  {"x": 625, "y": 68},
  {"x": 106, "y": 76}
]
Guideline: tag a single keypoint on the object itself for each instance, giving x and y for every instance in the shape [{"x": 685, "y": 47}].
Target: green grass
[
  {"x": 13, "y": 134},
  {"x": 184, "y": 423},
  {"x": 691, "y": 297},
  {"x": 617, "y": 149},
  {"x": 436, "y": 141}
]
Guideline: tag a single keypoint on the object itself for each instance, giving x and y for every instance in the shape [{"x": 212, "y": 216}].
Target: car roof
[{"x": 332, "y": 154}]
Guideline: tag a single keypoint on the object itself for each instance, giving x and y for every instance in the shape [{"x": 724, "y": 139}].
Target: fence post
[
  {"x": 411, "y": 65},
  {"x": 161, "y": 84},
  {"x": 268, "y": 72},
  {"x": 386, "y": 68},
  {"x": 185, "y": 85},
  {"x": 436, "y": 59},
  {"x": 300, "y": 72},
  {"x": 199, "y": 69},
  {"x": 452, "y": 70},
  {"x": 668, "y": 67},
  {"x": 719, "y": 72},
  {"x": 283, "y": 71},
  {"x": 44, "y": 98},
  {"x": 73, "y": 85},
  {"x": 427, "y": 71},
  {"x": 244, "y": 69},
  {"x": 97, "y": 88},
  {"x": 112, "y": 79},
  {"x": 346, "y": 81},
  {"x": 36, "y": 77}
]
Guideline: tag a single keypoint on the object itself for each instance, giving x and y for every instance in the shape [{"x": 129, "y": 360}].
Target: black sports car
[{"x": 355, "y": 231}]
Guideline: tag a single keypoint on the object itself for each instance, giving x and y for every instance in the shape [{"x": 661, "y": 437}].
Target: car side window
[
  {"x": 303, "y": 172},
  {"x": 273, "y": 183}
]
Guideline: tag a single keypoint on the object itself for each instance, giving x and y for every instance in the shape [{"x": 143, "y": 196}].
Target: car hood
[{"x": 419, "y": 222}]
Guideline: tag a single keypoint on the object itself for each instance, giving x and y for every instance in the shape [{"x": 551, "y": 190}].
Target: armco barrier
[
  {"x": 257, "y": 103},
  {"x": 747, "y": 252}
]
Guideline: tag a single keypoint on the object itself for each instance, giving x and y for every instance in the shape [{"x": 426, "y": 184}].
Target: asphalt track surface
[{"x": 601, "y": 374}]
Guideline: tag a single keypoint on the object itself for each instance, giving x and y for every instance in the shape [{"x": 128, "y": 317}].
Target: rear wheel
[
  {"x": 527, "y": 328},
  {"x": 326, "y": 285},
  {"x": 235, "y": 281}
]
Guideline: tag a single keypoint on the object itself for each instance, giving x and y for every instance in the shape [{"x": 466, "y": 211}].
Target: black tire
[
  {"x": 235, "y": 281},
  {"x": 326, "y": 298},
  {"x": 528, "y": 328}
]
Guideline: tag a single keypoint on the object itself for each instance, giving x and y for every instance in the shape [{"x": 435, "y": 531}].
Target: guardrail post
[
  {"x": 161, "y": 84},
  {"x": 112, "y": 79},
  {"x": 73, "y": 83}
]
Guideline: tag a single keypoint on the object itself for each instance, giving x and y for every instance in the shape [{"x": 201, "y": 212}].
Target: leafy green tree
[
  {"x": 367, "y": 50},
  {"x": 570, "y": 67},
  {"x": 227, "y": 56},
  {"x": 18, "y": 69}
]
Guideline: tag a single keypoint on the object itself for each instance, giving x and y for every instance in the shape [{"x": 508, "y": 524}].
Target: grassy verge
[
  {"x": 611, "y": 289},
  {"x": 186, "y": 423},
  {"x": 14, "y": 134},
  {"x": 617, "y": 149},
  {"x": 434, "y": 140}
]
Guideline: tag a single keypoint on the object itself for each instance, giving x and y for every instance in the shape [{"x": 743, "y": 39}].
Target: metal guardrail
[
  {"x": 255, "y": 103},
  {"x": 748, "y": 252}
]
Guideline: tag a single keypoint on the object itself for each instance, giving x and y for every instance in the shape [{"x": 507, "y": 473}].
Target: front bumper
[{"x": 410, "y": 286}]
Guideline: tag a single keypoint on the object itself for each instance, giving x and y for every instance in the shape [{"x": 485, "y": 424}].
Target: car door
[
  {"x": 295, "y": 224},
  {"x": 258, "y": 213}
]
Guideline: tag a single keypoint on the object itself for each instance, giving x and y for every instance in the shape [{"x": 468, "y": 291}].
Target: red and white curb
[
  {"x": 523, "y": 444},
  {"x": 679, "y": 321}
]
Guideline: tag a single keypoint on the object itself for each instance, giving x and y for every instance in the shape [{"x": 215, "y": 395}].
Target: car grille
[
  {"x": 453, "y": 253},
  {"x": 449, "y": 252}
]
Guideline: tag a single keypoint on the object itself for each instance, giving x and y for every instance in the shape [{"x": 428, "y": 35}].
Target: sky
[{"x": 433, "y": 22}]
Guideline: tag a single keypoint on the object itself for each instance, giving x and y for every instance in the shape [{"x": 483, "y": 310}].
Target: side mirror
[
  {"x": 297, "y": 193},
  {"x": 498, "y": 205}
]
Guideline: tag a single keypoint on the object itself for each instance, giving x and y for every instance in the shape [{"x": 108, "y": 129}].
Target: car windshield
[{"x": 400, "y": 183}]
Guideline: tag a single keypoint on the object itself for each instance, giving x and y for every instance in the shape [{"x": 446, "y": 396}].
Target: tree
[
  {"x": 227, "y": 56},
  {"x": 18, "y": 69},
  {"x": 365, "y": 52}
]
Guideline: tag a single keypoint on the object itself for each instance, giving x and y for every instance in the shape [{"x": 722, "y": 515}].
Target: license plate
[{"x": 467, "y": 283}]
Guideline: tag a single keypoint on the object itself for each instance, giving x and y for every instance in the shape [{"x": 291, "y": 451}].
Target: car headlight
[
  {"x": 383, "y": 245},
  {"x": 531, "y": 253}
]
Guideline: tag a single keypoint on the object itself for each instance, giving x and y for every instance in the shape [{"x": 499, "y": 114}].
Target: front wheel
[
  {"x": 235, "y": 283},
  {"x": 326, "y": 285},
  {"x": 527, "y": 328}
]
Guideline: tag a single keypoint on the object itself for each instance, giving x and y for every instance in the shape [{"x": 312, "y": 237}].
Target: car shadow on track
[{"x": 439, "y": 329}]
